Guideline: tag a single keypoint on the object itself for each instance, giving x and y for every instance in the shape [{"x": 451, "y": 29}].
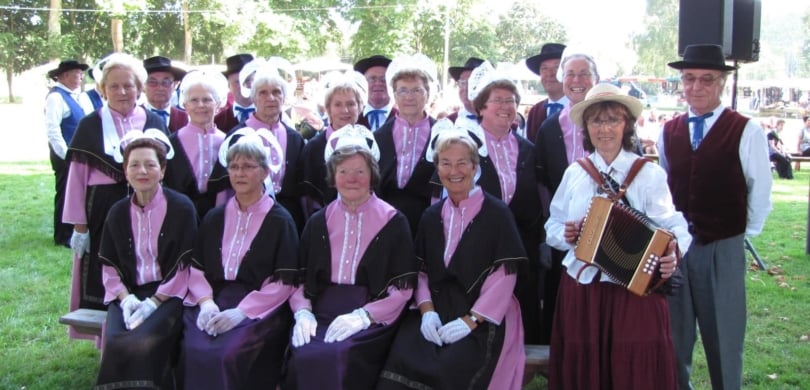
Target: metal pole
[{"x": 734, "y": 87}]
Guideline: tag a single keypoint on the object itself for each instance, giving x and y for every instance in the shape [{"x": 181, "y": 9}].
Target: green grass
[{"x": 37, "y": 354}]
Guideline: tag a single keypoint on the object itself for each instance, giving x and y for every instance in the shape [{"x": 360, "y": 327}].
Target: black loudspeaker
[
  {"x": 732, "y": 24},
  {"x": 745, "y": 31},
  {"x": 705, "y": 21}
]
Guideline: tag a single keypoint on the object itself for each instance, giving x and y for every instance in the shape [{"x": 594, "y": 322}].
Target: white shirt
[
  {"x": 381, "y": 117},
  {"x": 464, "y": 121},
  {"x": 648, "y": 193},
  {"x": 57, "y": 109},
  {"x": 756, "y": 168}
]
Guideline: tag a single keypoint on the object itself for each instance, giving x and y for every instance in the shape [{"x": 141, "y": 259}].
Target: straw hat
[{"x": 605, "y": 92}]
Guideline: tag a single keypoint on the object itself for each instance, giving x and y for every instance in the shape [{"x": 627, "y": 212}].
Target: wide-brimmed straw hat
[
  {"x": 65, "y": 66},
  {"x": 702, "y": 56},
  {"x": 547, "y": 52},
  {"x": 605, "y": 92}
]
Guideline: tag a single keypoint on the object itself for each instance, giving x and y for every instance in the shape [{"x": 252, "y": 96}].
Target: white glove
[
  {"x": 208, "y": 310},
  {"x": 430, "y": 327},
  {"x": 129, "y": 305},
  {"x": 344, "y": 326},
  {"x": 225, "y": 321},
  {"x": 305, "y": 327},
  {"x": 80, "y": 242},
  {"x": 145, "y": 310},
  {"x": 454, "y": 331}
]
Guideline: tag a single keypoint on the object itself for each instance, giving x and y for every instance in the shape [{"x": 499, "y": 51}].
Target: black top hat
[
  {"x": 65, "y": 66},
  {"x": 547, "y": 52},
  {"x": 163, "y": 64},
  {"x": 376, "y": 60},
  {"x": 702, "y": 56},
  {"x": 472, "y": 63},
  {"x": 235, "y": 63}
]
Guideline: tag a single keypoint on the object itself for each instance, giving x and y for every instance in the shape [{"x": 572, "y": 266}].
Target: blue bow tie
[
  {"x": 244, "y": 112},
  {"x": 373, "y": 117},
  {"x": 163, "y": 113},
  {"x": 697, "y": 128},
  {"x": 552, "y": 108},
  {"x": 472, "y": 116}
]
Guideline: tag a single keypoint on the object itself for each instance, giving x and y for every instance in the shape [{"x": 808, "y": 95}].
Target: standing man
[
  {"x": 160, "y": 85},
  {"x": 240, "y": 107},
  {"x": 720, "y": 178},
  {"x": 461, "y": 74},
  {"x": 545, "y": 65},
  {"x": 557, "y": 145},
  {"x": 62, "y": 115},
  {"x": 380, "y": 108}
]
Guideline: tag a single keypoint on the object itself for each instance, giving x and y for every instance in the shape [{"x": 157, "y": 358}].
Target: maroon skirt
[{"x": 605, "y": 337}]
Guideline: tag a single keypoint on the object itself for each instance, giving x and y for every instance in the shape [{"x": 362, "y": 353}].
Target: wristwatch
[{"x": 474, "y": 318}]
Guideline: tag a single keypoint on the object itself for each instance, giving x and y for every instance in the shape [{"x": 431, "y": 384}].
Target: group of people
[{"x": 392, "y": 250}]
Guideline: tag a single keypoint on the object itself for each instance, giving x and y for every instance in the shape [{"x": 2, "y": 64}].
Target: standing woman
[
  {"x": 404, "y": 171},
  {"x": 145, "y": 250},
  {"x": 268, "y": 91},
  {"x": 468, "y": 333},
  {"x": 245, "y": 262},
  {"x": 507, "y": 172},
  {"x": 360, "y": 271},
  {"x": 344, "y": 98},
  {"x": 96, "y": 177},
  {"x": 605, "y": 337},
  {"x": 195, "y": 171}
]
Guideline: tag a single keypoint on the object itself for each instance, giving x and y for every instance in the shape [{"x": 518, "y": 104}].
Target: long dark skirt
[
  {"x": 249, "y": 356},
  {"x": 605, "y": 337},
  {"x": 142, "y": 357},
  {"x": 354, "y": 363},
  {"x": 415, "y": 363}
]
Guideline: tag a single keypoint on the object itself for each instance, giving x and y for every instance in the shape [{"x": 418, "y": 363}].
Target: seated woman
[
  {"x": 195, "y": 171},
  {"x": 145, "y": 249},
  {"x": 360, "y": 271},
  {"x": 603, "y": 336},
  {"x": 243, "y": 269},
  {"x": 468, "y": 332},
  {"x": 778, "y": 156}
]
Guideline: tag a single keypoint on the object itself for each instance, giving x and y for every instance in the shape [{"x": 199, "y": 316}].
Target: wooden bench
[
  {"x": 798, "y": 159},
  {"x": 85, "y": 321},
  {"x": 536, "y": 362}
]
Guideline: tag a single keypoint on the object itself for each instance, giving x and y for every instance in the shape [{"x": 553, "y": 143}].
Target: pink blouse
[
  {"x": 572, "y": 136},
  {"x": 409, "y": 143},
  {"x": 503, "y": 151},
  {"x": 201, "y": 147}
]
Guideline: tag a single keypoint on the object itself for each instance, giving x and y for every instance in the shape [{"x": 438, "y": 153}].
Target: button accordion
[{"x": 624, "y": 244}]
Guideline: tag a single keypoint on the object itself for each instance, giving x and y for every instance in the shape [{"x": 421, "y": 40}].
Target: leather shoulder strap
[
  {"x": 634, "y": 169},
  {"x": 588, "y": 166}
]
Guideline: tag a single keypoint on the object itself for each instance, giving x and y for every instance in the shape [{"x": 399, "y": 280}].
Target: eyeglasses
[
  {"x": 502, "y": 102},
  {"x": 706, "y": 80},
  {"x": 402, "y": 92},
  {"x": 206, "y": 101},
  {"x": 460, "y": 165},
  {"x": 165, "y": 83},
  {"x": 610, "y": 122},
  {"x": 578, "y": 75},
  {"x": 375, "y": 79},
  {"x": 242, "y": 168}
]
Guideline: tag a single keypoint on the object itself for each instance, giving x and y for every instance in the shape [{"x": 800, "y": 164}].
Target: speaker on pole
[
  {"x": 705, "y": 22},
  {"x": 745, "y": 31}
]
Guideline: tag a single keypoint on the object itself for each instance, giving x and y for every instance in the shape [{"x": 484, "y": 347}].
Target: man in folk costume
[
  {"x": 545, "y": 65},
  {"x": 461, "y": 74},
  {"x": 62, "y": 115},
  {"x": 160, "y": 85},
  {"x": 380, "y": 108},
  {"x": 239, "y": 106},
  {"x": 720, "y": 178}
]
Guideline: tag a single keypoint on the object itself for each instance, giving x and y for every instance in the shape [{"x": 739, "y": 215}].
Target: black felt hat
[
  {"x": 547, "y": 52},
  {"x": 235, "y": 63},
  {"x": 376, "y": 60},
  {"x": 702, "y": 56},
  {"x": 65, "y": 66},
  {"x": 163, "y": 64},
  {"x": 472, "y": 63}
]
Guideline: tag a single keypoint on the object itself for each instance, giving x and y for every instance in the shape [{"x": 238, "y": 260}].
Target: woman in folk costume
[
  {"x": 603, "y": 336},
  {"x": 468, "y": 332},
  {"x": 145, "y": 251},
  {"x": 359, "y": 272},
  {"x": 195, "y": 171},
  {"x": 243, "y": 269},
  {"x": 344, "y": 99},
  {"x": 268, "y": 89},
  {"x": 404, "y": 172},
  {"x": 96, "y": 177}
]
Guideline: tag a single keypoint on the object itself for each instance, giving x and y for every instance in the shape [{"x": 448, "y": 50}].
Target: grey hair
[
  {"x": 261, "y": 79},
  {"x": 127, "y": 62},
  {"x": 210, "y": 82},
  {"x": 249, "y": 150}
]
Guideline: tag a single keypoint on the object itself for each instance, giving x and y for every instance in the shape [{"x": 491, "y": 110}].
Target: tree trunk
[
  {"x": 54, "y": 29},
  {"x": 117, "y": 33},
  {"x": 187, "y": 32},
  {"x": 9, "y": 78}
]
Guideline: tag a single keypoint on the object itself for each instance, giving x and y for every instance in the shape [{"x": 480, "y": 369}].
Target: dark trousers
[
  {"x": 61, "y": 231},
  {"x": 782, "y": 164}
]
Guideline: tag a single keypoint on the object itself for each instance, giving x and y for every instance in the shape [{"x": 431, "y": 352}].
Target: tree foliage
[
  {"x": 805, "y": 48},
  {"x": 23, "y": 39},
  {"x": 656, "y": 46},
  {"x": 524, "y": 29}
]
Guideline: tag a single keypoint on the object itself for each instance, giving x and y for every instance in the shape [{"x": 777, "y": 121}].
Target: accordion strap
[{"x": 588, "y": 166}]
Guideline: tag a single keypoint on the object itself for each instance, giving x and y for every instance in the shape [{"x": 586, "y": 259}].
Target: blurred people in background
[
  {"x": 803, "y": 146},
  {"x": 160, "y": 87},
  {"x": 776, "y": 149},
  {"x": 545, "y": 65},
  {"x": 380, "y": 108},
  {"x": 239, "y": 107},
  {"x": 465, "y": 116}
]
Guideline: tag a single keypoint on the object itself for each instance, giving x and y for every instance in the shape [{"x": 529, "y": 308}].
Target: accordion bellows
[{"x": 623, "y": 243}]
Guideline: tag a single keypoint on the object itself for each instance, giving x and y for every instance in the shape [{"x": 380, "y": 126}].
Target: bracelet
[{"x": 473, "y": 318}]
